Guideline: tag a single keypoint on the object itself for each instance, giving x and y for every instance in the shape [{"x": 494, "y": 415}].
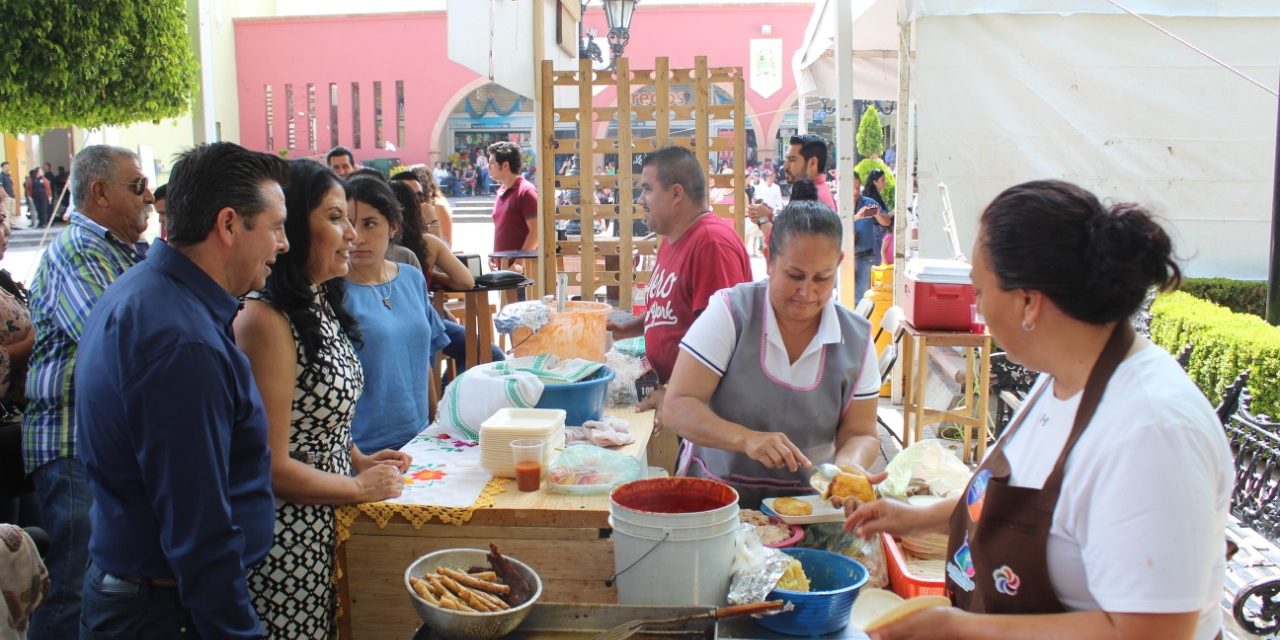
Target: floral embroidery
[{"x": 430, "y": 474}]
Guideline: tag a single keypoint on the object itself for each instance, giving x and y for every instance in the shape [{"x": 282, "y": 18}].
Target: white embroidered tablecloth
[{"x": 445, "y": 471}]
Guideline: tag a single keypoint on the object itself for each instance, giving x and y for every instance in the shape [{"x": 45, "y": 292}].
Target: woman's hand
[
  {"x": 378, "y": 482},
  {"x": 774, "y": 450},
  {"x": 653, "y": 401},
  {"x": 938, "y": 622},
  {"x": 398, "y": 459},
  {"x": 867, "y": 519}
]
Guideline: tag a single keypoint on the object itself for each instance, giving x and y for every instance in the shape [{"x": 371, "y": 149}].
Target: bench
[
  {"x": 1010, "y": 383},
  {"x": 1255, "y": 502}
]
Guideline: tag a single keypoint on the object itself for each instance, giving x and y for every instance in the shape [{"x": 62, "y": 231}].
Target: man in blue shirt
[{"x": 172, "y": 431}]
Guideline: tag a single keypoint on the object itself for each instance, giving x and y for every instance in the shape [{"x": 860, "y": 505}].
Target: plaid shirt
[{"x": 82, "y": 261}]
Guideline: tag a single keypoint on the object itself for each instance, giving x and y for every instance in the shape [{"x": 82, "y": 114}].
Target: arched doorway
[{"x": 486, "y": 115}]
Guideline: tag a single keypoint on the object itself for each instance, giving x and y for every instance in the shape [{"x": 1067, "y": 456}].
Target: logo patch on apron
[
  {"x": 960, "y": 567},
  {"x": 975, "y": 496},
  {"x": 1006, "y": 580}
]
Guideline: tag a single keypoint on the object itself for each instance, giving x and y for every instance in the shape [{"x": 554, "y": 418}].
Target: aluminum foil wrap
[{"x": 756, "y": 568}]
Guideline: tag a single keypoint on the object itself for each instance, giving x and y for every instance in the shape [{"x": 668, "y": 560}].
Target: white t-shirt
[
  {"x": 770, "y": 194},
  {"x": 712, "y": 341},
  {"x": 1140, "y": 523}
]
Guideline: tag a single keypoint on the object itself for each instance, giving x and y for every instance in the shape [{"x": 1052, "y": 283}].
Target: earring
[{"x": 1027, "y": 325}]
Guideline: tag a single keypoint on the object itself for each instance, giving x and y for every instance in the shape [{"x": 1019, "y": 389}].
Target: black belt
[{"x": 863, "y": 254}]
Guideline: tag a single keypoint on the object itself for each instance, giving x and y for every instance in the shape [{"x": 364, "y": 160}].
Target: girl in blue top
[{"x": 400, "y": 329}]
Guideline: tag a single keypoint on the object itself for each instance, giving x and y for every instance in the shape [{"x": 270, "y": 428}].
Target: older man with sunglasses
[{"x": 112, "y": 200}]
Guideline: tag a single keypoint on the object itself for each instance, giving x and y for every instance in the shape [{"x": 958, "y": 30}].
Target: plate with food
[
  {"x": 810, "y": 509},
  {"x": 772, "y": 530}
]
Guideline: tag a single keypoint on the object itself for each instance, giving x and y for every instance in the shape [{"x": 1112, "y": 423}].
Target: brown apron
[{"x": 997, "y": 549}]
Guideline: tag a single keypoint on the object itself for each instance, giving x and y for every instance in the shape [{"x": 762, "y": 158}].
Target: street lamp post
[
  {"x": 618, "y": 14},
  {"x": 587, "y": 47}
]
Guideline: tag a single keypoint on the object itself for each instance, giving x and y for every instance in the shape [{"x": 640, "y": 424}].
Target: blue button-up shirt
[
  {"x": 83, "y": 260},
  {"x": 173, "y": 437}
]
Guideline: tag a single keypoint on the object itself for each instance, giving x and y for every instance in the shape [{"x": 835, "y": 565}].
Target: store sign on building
[
  {"x": 766, "y": 66},
  {"x": 646, "y": 98}
]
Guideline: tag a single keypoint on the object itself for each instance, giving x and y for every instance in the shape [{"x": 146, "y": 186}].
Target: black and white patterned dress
[{"x": 293, "y": 587}]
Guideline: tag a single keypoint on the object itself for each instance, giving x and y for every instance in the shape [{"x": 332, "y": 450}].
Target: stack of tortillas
[
  {"x": 929, "y": 546},
  {"x": 877, "y": 608},
  {"x": 924, "y": 553}
]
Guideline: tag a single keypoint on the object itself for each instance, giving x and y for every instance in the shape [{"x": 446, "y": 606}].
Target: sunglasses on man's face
[{"x": 138, "y": 186}]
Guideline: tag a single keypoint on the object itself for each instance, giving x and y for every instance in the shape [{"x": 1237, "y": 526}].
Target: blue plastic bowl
[
  {"x": 583, "y": 400},
  {"x": 834, "y": 583}
]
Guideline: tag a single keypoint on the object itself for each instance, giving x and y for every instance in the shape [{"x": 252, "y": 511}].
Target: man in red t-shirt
[
  {"x": 699, "y": 255},
  {"x": 515, "y": 212}
]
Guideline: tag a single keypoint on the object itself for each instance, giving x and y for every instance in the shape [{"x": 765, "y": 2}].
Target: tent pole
[
  {"x": 905, "y": 182},
  {"x": 802, "y": 122},
  {"x": 846, "y": 147},
  {"x": 1273, "y": 271}
]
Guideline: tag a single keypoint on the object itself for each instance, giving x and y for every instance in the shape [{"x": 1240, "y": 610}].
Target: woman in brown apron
[{"x": 1063, "y": 532}]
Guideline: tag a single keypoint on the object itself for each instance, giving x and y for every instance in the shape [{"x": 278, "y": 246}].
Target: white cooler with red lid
[{"x": 938, "y": 294}]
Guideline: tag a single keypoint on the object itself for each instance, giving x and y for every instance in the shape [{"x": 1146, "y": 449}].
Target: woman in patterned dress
[
  {"x": 298, "y": 339},
  {"x": 16, "y": 339},
  {"x": 16, "y": 335}
]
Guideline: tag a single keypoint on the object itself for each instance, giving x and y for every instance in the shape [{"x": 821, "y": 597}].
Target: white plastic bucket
[{"x": 673, "y": 540}]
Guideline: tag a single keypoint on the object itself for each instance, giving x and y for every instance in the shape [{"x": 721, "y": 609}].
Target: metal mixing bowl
[{"x": 462, "y": 625}]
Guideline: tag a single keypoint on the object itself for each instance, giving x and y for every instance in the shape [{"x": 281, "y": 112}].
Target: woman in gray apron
[
  {"x": 774, "y": 377},
  {"x": 1101, "y": 511}
]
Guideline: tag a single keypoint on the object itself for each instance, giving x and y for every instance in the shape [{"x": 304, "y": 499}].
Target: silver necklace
[{"x": 386, "y": 280}]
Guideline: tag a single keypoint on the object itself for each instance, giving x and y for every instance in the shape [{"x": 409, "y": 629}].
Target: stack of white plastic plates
[{"x": 506, "y": 425}]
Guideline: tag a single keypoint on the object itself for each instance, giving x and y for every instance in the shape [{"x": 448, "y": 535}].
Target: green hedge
[
  {"x": 1226, "y": 343},
  {"x": 1241, "y": 296}
]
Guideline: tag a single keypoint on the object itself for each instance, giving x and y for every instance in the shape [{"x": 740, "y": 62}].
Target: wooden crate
[{"x": 627, "y": 258}]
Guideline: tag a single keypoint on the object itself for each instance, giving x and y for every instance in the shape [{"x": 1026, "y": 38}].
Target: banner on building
[{"x": 766, "y": 66}]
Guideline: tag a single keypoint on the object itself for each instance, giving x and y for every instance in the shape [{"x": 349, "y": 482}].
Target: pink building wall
[{"x": 411, "y": 47}]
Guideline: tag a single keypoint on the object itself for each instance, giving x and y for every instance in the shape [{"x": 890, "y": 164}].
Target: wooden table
[
  {"x": 566, "y": 539},
  {"x": 508, "y": 259},
  {"x": 971, "y": 415}
]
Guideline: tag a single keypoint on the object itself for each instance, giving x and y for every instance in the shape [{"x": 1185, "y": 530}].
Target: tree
[
  {"x": 92, "y": 64},
  {"x": 870, "y": 134}
]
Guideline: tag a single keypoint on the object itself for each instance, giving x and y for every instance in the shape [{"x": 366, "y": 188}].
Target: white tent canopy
[
  {"x": 1005, "y": 91},
  {"x": 875, "y": 55}
]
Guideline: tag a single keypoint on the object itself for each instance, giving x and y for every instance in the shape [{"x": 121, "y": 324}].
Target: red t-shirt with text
[
  {"x": 514, "y": 206},
  {"x": 708, "y": 257}
]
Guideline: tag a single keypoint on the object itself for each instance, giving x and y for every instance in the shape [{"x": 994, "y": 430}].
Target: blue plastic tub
[
  {"x": 581, "y": 401},
  {"x": 834, "y": 583}
]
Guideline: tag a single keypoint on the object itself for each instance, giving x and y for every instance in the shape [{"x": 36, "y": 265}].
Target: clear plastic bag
[
  {"x": 831, "y": 536},
  {"x": 925, "y": 467},
  {"x": 626, "y": 368},
  {"x": 586, "y": 469}
]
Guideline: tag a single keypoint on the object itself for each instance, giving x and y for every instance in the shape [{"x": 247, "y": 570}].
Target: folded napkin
[{"x": 550, "y": 368}]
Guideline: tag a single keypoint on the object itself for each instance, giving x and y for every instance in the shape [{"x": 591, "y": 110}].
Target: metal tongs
[
  {"x": 823, "y": 475},
  {"x": 628, "y": 629}
]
